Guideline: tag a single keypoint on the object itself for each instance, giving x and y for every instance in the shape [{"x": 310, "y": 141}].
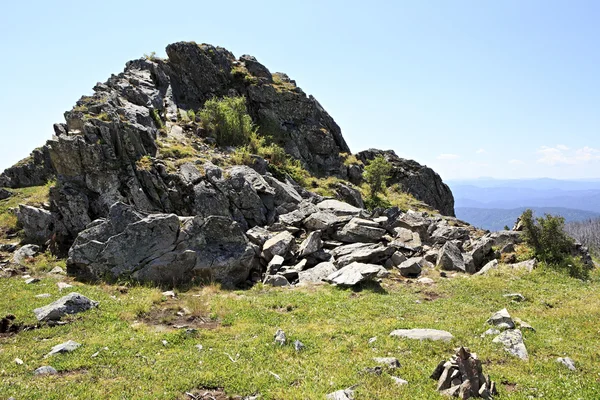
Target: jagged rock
[
  {"x": 517, "y": 297},
  {"x": 24, "y": 253},
  {"x": 256, "y": 68},
  {"x": 35, "y": 170},
  {"x": 289, "y": 273},
  {"x": 567, "y": 362},
  {"x": 523, "y": 325},
  {"x": 422, "y": 334},
  {"x": 162, "y": 248},
  {"x": 317, "y": 273},
  {"x": 407, "y": 240},
  {"x": 280, "y": 337},
  {"x": 445, "y": 233},
  {"x": 298, "y": 345},
  {"x": 413, "y": 221},
  {"x": 349, "y": 195},
  {"x": 259, "y": 235},
  {"x": 276, "y": 280},
  {"x": 501, "y": 320},
  {"x": 356, "y": 273},
  {"x": 481, "y": 252},
  {"x": 275, "y": 264},
  {"x": 338, "y": 208},
  {"x": 9, "y": 247},
  {"x": 450, "y": 258},
  {"x": 512, "y": 340},
  {"x": 360, "y": 230},
  {"x": 38, "y": 224},
  {"x": 395, "y": 260},
  {"x": 488, "y": 267},
  {"x": 361, "y": 252},
  {"x": 503, "y": 238},
  {"x": 528, "y": 265},
  {"x": 507, "y": 248},
  {"x": 425, "y": 281},
  {"x": 4, "y": 194},
  {"x": 66, "y": 347},
  {"x": 462, "y": 376},
  {"x": 411, "y": 268},
  {"x": 279, "y": 245},
  {"x": 420, "y": 181},
  {"x": 295, "y": 218},
  {"x": 311, "y": 244},
  {"x": 321, "y": 221},
  {"x": 73, "y": 303}
]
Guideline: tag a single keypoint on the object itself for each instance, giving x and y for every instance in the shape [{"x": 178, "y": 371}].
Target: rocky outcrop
[
  {"x": 34, "y": 170},
  {"x": 162, "y": 248},
  {"x": 420, "y": 181}
]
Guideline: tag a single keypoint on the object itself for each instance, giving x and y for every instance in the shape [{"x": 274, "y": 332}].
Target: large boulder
[
  {"x": 360, "y": 230},
  {"x": 420, "y": 181},
  {"x": 162, "y": 248},
  {"x": 356, "y": 273},
  {"x": 450, "y": 258},
  {"x": 361, "y": 252},
  {"x": 38, "y": 224},
  {"x": 73, "y": 303}
]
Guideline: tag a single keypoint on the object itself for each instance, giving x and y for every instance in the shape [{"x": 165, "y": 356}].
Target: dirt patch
[
  {"x": 9, "y": 326},
  {"x": 510, "y": 387},
  {"x": 429, "y": 295},
  {"x": 171, "y": 316},
  {"x": 208, "y": 394}
]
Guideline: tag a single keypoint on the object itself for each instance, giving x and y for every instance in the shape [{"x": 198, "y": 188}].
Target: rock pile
[{"x": 462, "y": 376}]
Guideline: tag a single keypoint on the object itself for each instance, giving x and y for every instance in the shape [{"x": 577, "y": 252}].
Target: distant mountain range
[
  {"x": 495, "y": 219},
  {"x": 493, "y": 203}
]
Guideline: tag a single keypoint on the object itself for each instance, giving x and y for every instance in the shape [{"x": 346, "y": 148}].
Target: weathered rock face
[
  {"x": 35, "y": 170},
  {"x": 416, "y": 179},
  {"x": 162, "y": 248}
]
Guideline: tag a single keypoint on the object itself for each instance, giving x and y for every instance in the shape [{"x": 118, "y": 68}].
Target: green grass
[{"x": 334, "y": 324}]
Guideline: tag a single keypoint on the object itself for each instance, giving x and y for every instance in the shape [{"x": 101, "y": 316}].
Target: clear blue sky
[{"x": 504, "y": 89}]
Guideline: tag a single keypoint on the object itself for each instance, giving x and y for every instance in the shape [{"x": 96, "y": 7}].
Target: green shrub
[
  {"x": 177, "y": 151},
  {"x": 227, "y": 120},
  {"x": 191, "y": 115},
  {"x": 377, "y": 172},
  {"x": 551, "y": 245},
  {"x": 157, "y": 120}
]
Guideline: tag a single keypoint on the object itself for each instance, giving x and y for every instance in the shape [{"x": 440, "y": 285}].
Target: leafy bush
[
  {"x": 551, "y": 244},
  {"x": 377, "y": 172},
  {"x": 227, "y": 120}
]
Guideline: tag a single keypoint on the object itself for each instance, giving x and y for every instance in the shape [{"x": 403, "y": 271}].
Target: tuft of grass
[
  {"x": 144, "y": 163},
  {"x": 177, "y": 151},
  {"x": 350, "y": 159}
]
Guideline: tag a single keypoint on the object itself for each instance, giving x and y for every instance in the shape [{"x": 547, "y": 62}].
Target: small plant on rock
[{"x": 377, "y": 172}]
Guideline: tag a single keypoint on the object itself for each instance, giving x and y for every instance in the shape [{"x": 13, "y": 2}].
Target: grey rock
[
  {"x": 506, "y": 238},
  {"x": 322, "y": 221},
  {"x": 31, "y": 280},
  {"x": 280, "y": 337},
  {"x": 407, "y": 239},
  {"x": 361, "y": 252},
  {"x": 317, "y": 274},
  {"x": 425, "y": 281},
  {"x": 276, "y": 280},
  {"x": 399, "y": 381},
  {"x": 162, "y": 248},
  {"x": 356, "y": 273},
  {"x": 73, "y": 303},
  {"x": 360, "y": 230},
  {"x": 338, "y": 207},
  {"x": 45, "y": 370},
  {"x": 445, "y": 233},
  {"x": 567, "y": 362},
  {"x": 280, "y": 244},
  {"x": 512, "y": 340},
  {"x": 43, "y": 296},
  {"x": 490, "y": 332},
  {"x": 346, "y": 394},
  {"x": 423, "y": 334},
  {"x": 35, "y": 170},
  {"x": 298, "y": 345},
  {"x": 395, "y": 260},
  {"x": 258, "y": 235},
  {"x": 38, "y": 225},
  {"x": 518, "y": 297},
  {"x": 24, "y": 253},
  {"x": 420, "y": 181},
  {"x": 528, "y": 265},
  {"x": 450, "y": 258},
  {"x": 501, "y": 320},
  {"x": 9, "y": 247},
  {"x": 4, "y": 194},
  {"x": 488, "y": 267},
  {"x": 481, "y": 252},
  {"x": 66, "y": 347},
  {"x": 411, "y": 268},
  {"x": 275, "y": 264},
  {"x": 508, "y": 248},
  {"x": 524, "y": 326},
  {"x": 311, "y": 244},
  {"x": 57, "y": 270},
  {"x": 390, "y": 362},
  {"x": 63, "y": 285},
  {"x": 349, "y": 195}
]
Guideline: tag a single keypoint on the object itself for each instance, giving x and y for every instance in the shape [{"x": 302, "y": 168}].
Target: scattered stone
[
  {"x": 373, "y": 370},
  {"x": 567, "y": 362},
  {"x": 462, "y": 376},
  {"x": 372, "y": 340},
  {"x": 356, "y": 273},
  {"x": 423, "y": 334},
  {"x": 528, "y": 265},
  {"x": 278, "y": 245},
  {"x": 25, "y": 253},
  {"x": 72, "y": 303},
  {"x": 512, "y": 340},
  {"x": 63, "y": 285},
  {"x": 298, "y": 345},
  {"x": 390, "y": 362},
  {"x": 57, "y": 270},
  {"x": 18, "y": 361},
  {"x": 346, "y": 394},
  {"x": 4, "y": 194},
  {"x": 360, "y": 230},
  {"x": 275, "y": 375},
  {"x": 362, "y": 253},
  {"x": 96, "y": 354},
  {"x": 31, "y": 280},
  {"x": 9, "y": 247},
  {"x": 399, "y": 381},
  {"x": 524, "y": 325},
  {"x": 488, "y": 267},
  {"x": 338, "y": 208},
  {"x": 395, "y": 260},
  {"x": 199, "y": 347},
  {"x": 411, "y": 268},
  {"x": 276, "y": 280},
  {"x": 491, "y": 331},
  {"x": 501, "y": 320},
  {"x": 259, "y": 235},
  {"x": 169, "y": 293},
  {"x": 66, "y": 347},
  {"x": 164, "y": 343},
  {"x": 280, "y": 337},
  {"x": 518, "y": 297},
  {"x": 425, "y": 281},
  {"x": 45, "y": 370},
  {"x": 275, "y": 264}
]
